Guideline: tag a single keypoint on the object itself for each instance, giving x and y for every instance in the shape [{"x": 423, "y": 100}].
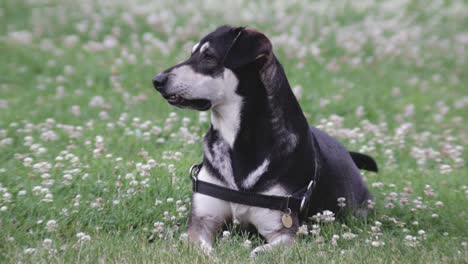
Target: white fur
[
  {"x": 255, "y": 175},
  {"x": 225, "y": 116},
  {"x": 208, "y": 206},
  {"x": 204, "y": 47},
  {"x": 267, "y": 221},
  {"x": 194, "y": 48}
]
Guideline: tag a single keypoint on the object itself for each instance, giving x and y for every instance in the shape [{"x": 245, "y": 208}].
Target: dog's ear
[{"x": 248, "y": 46}]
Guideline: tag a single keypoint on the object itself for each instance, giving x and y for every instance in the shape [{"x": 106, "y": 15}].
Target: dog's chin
[{"x": 197, "y": 104}]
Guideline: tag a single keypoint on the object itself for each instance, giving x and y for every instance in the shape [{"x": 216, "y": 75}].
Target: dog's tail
[{"x": 364, "y": 162}]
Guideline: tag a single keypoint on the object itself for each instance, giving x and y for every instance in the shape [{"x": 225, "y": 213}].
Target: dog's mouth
[{"x": 179, "y": 101}]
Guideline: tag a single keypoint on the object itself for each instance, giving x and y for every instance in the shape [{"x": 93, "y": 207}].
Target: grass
[{"x": 86, "y": 142}]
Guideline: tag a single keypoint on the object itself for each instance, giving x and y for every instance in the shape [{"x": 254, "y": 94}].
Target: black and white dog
[{"x": 259, "y": 140}]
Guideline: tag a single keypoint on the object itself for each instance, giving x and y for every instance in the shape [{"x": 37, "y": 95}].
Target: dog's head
[{"x": 208, "y": 77}]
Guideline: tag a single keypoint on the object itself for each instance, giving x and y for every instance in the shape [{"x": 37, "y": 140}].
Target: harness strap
[{"x": 282, "y": 203}]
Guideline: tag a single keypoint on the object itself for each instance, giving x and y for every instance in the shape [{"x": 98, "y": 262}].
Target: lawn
[{"x": 93, "y": 162}]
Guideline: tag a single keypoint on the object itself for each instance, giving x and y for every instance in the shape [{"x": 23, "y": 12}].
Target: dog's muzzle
[{"x": 160, "y": 84}]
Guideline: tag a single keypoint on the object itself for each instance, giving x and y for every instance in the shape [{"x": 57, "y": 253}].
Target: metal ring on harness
[
  {"x": 287, "y": 204},
  {"x": 194, "y": 170}
]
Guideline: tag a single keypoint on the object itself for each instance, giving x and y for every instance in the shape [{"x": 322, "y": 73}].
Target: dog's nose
[{"x": 159, "y": 80}]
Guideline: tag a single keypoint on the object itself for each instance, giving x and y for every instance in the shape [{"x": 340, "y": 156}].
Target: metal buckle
[
  {"x": 193, "y": 171},
  {"x": 306, "y": 196}
]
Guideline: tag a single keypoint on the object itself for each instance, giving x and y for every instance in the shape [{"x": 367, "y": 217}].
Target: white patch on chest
[{"x": 255, "y": 175}]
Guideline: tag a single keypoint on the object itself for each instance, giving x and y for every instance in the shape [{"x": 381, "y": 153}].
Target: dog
[{"x": 259, "y": 141}]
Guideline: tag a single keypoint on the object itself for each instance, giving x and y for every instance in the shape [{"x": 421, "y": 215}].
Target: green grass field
[{"x": 93, "y": 162}]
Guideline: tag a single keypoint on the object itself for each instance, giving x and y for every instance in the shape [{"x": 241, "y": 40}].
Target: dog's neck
[
  {"x": 226, "y": 117},
  {"x": 226, "y": 120},
  {"x": 246, "y": 108}
]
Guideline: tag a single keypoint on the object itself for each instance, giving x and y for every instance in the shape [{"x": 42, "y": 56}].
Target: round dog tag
[{"x": 286, "y": 219}]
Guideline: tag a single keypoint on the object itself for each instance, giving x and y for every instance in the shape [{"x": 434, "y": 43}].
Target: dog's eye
[{"x": 207, "y": 55}]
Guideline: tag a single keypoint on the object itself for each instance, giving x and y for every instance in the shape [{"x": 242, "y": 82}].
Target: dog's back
[{"x": 339, "y": 176}]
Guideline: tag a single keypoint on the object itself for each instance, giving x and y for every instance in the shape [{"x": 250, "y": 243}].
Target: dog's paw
[
  {"x": 207, "y": 249},
  {"x": 257, "y": 251}
]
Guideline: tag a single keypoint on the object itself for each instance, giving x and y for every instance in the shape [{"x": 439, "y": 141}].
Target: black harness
[{"x": 297, "y": 203}]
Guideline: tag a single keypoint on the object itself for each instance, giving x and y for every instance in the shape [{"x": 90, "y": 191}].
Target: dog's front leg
[
  {"x": 269, "y": 225},
  {"x": 281, "y": 239},
  {"x": 207, "y": 217}
]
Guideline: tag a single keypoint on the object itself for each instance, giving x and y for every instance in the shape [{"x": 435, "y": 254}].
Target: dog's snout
[{"x": 160, "y": 80}]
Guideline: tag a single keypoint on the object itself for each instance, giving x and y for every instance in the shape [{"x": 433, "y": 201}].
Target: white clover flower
[
  {"x": 247, "y": 244},
  {"x": 67, "y": 177},
  {"x": 302, "y": 230},
  {"x": 445, "y": 169},
  {"x": 49, "y": 136},
  {"x": 83, "y": 237},
  {"x": 226, "y": 234},
  {"x": 334, "y": 240},
  {"x": 203, "y": 117},
  {"x": 20, "y": 37},
  {"x": 183, "y": 237},
  {"x": 159, "y": 227},
  {"x": 30, "y": 251},
  {"x": 422, "y": 233},
  {"x": 152, "y": 163},
  {"x": 315, "y": 230},
  {"x": 377, "y": 243},
  {"x": 341, "y": 201},
  {"x": 97, "y": 101},
  {"x": 27, "y": 162},
  {"x": 328, "y": 216},
  {"x": 47, "y": 243},
  {"x": 51, "y": 225},
  {"x": 348, "y": 236}
]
